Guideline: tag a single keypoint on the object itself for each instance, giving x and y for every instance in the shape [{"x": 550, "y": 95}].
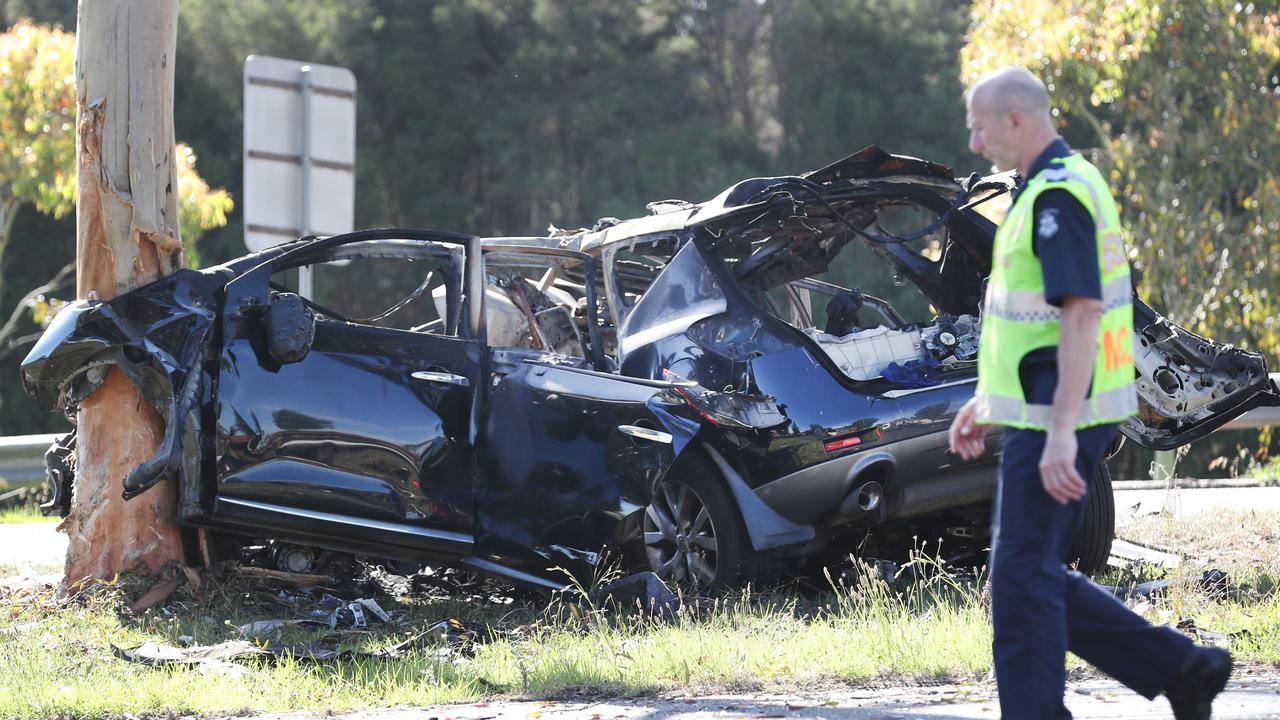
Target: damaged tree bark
[{"x": 126, "y": 236}]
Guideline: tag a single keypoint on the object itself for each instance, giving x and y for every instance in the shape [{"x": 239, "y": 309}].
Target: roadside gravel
[{"x": 1253, "y": 694}]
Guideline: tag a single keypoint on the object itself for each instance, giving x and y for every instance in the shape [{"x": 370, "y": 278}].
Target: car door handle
[
  {"x": 442, "y": 377},
  {"x": 645, "y": 433}
]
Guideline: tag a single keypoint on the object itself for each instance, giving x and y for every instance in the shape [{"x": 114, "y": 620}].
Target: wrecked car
[{"x": 719, "y": 392}]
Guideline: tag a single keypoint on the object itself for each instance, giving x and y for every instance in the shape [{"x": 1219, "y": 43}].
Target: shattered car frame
[{"x": 657, "y": 390}]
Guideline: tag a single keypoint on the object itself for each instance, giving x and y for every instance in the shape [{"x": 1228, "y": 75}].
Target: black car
[{"x": 716, "y": 391}]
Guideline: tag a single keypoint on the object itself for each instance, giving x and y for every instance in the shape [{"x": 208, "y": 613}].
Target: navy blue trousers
[{"x": 1040, "y": 608}]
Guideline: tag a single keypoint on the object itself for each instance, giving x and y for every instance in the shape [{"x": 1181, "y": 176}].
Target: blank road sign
[{"x": 299, "y": 150}]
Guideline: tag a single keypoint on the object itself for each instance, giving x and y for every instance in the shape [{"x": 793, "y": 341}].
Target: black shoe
[{"x": 1191, "y": 691}]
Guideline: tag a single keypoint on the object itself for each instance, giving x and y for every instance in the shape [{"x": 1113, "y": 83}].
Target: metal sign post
[
  {"x": 305, "y": 287},
  {"x": 299, "y": 152}
]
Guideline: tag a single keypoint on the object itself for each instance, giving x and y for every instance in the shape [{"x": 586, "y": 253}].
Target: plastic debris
[
  {"x": 1209, "y": 637},
  {"x": 353, "y": 614},
  {"x": 452, "y": 636},
  {"x": 258, "y": 628},
  {"x": 645, "y": 590},
  {"x": 1215, "y": 583},
  {"x": 328, "y": 610},
  {"x": 1134, "y": 553}
]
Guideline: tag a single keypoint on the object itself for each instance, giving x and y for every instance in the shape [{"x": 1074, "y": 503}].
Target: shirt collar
[{"x": 1056, "y": 149}]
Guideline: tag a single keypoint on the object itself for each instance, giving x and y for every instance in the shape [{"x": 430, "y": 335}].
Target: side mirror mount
[{"x": 291, "y": 328}]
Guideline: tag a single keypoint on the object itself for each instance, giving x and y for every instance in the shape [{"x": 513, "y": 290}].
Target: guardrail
[
  {"x": 1255, "y": 418},
  {"x": 22, "y": 457}
]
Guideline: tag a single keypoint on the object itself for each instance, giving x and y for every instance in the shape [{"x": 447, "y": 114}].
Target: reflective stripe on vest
[
  {"x": 1017, "y": 319},
  {"x": 1118, "y": 403},
  {"x": 1030, "y": 305}
]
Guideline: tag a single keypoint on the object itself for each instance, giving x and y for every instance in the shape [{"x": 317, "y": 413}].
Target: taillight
[
  {"x": 842, "y": 443},
  {"x": 849, "y": 441},
  {"x": 694, "y": 404}
]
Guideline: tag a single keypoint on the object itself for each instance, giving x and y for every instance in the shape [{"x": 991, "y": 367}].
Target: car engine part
[{"x": 952, "y": 339}]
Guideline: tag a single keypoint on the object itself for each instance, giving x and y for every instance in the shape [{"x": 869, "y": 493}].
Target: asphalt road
[
  {"x": 31, "y": 548},
  {"x": 1197, "y": 500}
]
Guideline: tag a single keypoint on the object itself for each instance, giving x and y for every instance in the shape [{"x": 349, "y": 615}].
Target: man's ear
[{"x": 1015, "y": 117}]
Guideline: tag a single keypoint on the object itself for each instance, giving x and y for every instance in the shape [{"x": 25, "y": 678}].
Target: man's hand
[
  {"x": 966, "y": 435},
  {"x": 1077, "y": 346},
  {"x": 1058, "y": 467}
]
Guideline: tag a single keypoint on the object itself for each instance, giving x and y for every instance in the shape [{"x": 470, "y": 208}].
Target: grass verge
[
  {"x": 25, "y": 514},
  {"x": 56, "y": 659}
]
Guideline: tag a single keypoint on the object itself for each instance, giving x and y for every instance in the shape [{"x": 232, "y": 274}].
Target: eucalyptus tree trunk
[{"x": 126, "y": 236}]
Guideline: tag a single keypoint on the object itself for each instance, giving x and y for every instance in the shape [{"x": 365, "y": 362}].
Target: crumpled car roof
[{"x": 870, "y": 163}]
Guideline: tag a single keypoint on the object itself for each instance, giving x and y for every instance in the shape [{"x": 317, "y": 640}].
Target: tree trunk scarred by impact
[{"x": 126, "y": 236}]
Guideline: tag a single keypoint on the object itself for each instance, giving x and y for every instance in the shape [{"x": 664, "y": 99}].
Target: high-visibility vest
[{"x": 1016, "y": 319}]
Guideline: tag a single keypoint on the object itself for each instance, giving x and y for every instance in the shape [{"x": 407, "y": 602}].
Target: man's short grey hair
[{"x": 1010, "y": 88}]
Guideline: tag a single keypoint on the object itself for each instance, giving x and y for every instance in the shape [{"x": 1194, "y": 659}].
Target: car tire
[
  {"x": 692, "y": 532},
  {"x": 1092, "y": 543}
]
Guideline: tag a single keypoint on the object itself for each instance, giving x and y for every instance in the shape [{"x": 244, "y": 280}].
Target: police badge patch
[{"x": 1047, "y": 222}]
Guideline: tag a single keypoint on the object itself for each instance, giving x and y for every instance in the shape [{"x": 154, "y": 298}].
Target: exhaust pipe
[
  {"x": 869, "y": 496},
  {"x": 866, "y": 498}
]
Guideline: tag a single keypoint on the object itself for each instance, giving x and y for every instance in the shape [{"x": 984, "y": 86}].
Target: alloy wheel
[{"x": 680, "y": 536}]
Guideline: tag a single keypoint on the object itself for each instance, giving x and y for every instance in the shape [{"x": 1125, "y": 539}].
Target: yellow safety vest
[{"x": 1016, "y": 319}]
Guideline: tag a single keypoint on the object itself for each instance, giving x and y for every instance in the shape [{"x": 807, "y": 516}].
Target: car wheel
[
  {"x": 693, "y": 534},
  {"x": 1092, "y": 544}
]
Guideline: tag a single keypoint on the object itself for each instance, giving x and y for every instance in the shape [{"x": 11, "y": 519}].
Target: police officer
[{"x": 1055, "y": 368}]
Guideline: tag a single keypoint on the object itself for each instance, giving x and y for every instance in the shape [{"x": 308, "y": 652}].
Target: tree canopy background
[
  {"x": 1180, "y": 104},
  {"x": 506, "y": 116}
]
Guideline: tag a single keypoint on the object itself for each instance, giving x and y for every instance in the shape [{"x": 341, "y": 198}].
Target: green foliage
[
  {"x": 1267, "y": 471},
  {"x": 37, "y": 118},
  {"x": 496, "y": 116},
  {"x": 24, "y": 514},
  {"x": 199, "y": 206},
  {"x": 859, "y": 72},
  {"x": 1182, "y": 103},
  {"x": 37, "y": 136},
  {"x": 504, "y": 116}
]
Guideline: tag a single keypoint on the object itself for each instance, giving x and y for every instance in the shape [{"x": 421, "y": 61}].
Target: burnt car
[{"x": 718, "y": 391}]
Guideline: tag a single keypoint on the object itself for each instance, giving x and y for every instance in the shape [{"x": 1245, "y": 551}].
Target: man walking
[{"x": 1055, "y": 367}]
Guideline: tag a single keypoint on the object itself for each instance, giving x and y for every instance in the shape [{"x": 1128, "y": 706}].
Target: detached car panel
[
  {"x": 716, "y": 391},
  {"x": 1189, "y": 386}
]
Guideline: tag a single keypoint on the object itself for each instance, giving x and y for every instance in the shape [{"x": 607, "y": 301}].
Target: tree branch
[
  {"x": 67, "y": 272},
  {"x": 1104, "y": 138},
  {"x": 20, "y": 341},
  {"x": 8, "y": 213}
]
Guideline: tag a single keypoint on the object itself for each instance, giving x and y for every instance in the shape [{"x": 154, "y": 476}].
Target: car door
[
  {"x": 567, "y": 452},
  {"x": 360, "y": 439}
]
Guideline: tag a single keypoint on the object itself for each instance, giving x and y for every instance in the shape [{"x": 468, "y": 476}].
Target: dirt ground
[{"x": 1253, "y": 693}]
